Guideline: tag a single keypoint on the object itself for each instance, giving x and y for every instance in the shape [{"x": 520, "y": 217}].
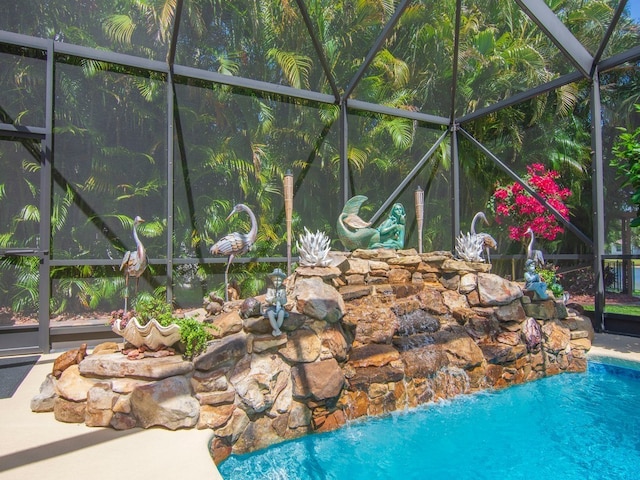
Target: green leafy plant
[
  {"x": 549, "y": 275},
  {"x": 193, "y": 334},
  {"x": 627, "y": 161}
]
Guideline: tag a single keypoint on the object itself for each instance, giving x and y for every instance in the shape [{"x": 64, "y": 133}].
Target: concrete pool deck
[
  {"x": 621, "y": 347},
  {"x": 35, "y": 445}
]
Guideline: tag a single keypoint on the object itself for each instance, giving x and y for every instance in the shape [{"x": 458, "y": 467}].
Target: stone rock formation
[
  {"x": 68, "y": 358},
  {"x": 372, "y": 332}
]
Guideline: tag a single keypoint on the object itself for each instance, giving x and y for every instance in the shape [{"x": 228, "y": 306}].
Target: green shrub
[
  {"x": 193, "y": 334},
  {"x": 549, "y": 275}
]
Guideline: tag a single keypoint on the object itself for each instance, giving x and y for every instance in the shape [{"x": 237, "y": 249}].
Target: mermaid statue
[{"x": 355, "y": 233}]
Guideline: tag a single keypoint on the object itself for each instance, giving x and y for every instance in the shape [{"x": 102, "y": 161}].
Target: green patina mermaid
[{"x": 355, "y": 233}]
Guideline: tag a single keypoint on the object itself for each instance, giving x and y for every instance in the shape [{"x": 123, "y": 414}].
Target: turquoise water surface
[{"x": 569, "y": 427}]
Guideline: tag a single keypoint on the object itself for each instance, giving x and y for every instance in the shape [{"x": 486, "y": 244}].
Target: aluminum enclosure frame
[{"x": 587, "y": 67}]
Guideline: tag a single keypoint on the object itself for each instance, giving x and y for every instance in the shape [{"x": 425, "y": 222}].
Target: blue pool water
[{"x": 572, "y": 426}]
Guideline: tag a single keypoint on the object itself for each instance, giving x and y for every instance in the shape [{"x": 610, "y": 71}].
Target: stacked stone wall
[{"x": 374, "y": 332}]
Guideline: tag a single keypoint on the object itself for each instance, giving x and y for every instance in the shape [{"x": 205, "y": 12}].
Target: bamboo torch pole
[
  {"x": 419, "y": 199},
  {"x": 288, "y": 210}
]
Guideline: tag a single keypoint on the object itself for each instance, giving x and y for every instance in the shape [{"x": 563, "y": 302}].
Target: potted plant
[{"x": 153, "y": 326}]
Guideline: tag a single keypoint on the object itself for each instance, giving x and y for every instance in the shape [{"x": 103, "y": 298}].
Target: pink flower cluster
[{"x": 513, "y": 202}]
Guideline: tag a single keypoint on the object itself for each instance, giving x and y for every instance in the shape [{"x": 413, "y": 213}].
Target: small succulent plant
[
  {"x": 469, "y": 247},
  {"x": 313, "y": 249}
]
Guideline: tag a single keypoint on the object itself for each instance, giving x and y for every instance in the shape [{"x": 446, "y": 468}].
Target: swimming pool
[{"x": 572, "y": 426}]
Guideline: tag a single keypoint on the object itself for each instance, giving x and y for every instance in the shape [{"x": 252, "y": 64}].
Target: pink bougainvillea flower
[{"x": 512, "y": 204}]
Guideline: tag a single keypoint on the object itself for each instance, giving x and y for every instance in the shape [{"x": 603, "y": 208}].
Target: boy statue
[{"x": 276, "y": 298}]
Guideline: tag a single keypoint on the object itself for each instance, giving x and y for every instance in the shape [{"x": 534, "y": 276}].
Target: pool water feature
[{"x": 571, "y": 426}]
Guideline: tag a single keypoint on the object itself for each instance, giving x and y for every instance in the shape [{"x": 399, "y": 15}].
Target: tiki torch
[
  {"x": 288, "y": 210},
  {"x": 419, "y": 199}
]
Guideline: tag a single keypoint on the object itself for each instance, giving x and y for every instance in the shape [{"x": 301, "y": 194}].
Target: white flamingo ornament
[
  {"x": 134, "y": 263},
  {"x": 235, "y": 243}
]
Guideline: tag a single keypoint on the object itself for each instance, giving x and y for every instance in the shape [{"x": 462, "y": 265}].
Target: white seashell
[{"x": 152, "y": 335}]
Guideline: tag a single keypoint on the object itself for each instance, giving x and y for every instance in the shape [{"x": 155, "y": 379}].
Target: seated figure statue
[
  {"x": 391, "y": 231},
  {"x": 276, "y": 298},
  {"x": 533, "y": 282}
]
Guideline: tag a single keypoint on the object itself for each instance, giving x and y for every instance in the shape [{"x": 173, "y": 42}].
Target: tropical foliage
[
  {"x": 234, "y": 144},
  {"x": 626, "y": 160}
]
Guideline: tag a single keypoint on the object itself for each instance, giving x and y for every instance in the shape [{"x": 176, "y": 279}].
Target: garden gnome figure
[
  {"x": 276, "y": 298},
  {"x": 533, "y": 282}
]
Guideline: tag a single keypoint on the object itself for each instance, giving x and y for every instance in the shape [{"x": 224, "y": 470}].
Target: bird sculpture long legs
[
  {"x": 126, "y": 289},
  {"x": 235, "y": 243},
  {"x": 134, "y": 263},
  {"x": 126, "y": 292}
]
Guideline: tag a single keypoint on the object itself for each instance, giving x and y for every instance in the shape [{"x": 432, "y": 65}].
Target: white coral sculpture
[
  {"x": 313, "y": 249},
  {"x": 469, "y": 247}
]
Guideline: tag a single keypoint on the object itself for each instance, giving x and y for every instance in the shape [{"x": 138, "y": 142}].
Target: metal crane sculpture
[
  {"x": 134, "y": 263},
  {"x": 487, "y": 240},
  {"x": 235, "y": 243},
  {"x": 532, "y": 254}
]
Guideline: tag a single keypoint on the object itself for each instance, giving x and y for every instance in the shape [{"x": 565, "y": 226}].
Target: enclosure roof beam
[
  {"x": 319, "y": 50},
  {"x": 612, "y": 26},
  {"x": 375, "y": 48},
  {"x": 631, "y": 55},
  {"x": 456, "y": 52},
  {"x": 522, "y": 96},
  {"x": 253, "y": 84},
  {"x": 171, "y": 54},
  {"x": 559, "y": 34},
  {"x": 110, "y": 57},
  {"x": 22, "y": 131},
  {"x": 83, "y": 52},
  {"x": 397, "y": 112},
  {"x": 24, "y": 40}
]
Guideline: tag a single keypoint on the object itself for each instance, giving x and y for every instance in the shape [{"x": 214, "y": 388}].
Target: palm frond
[
  {"x": 295, "y": 67},
  {"x": 119, "y": 28}
]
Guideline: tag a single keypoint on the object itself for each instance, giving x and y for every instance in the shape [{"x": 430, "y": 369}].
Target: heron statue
[
  {"x": 532, "y": 254},
  {"x": 235, "y": 243},
  {"x": 487, "y": 240},
  {"x": 134, "y": 263}
]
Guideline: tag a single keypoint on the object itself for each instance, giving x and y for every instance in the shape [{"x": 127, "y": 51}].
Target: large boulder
[
  {"x": 260, "y": 384},
  {"x": 318, "y": 381},
  {"x": 495, "y": 290},
  {"x": 222, "y": 352},
  {"x": 302, "y": 345},
  {"x": 116, "y": 365},
  {"x": 318, "y": 300},
  {"x": 166, "y": 403}
]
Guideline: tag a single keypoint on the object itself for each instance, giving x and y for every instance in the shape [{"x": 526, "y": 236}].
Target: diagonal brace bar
[{"x": 529, "y": 189}]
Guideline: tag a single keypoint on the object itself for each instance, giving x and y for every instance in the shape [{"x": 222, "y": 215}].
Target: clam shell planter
[{"x": 152, "y": 335}]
